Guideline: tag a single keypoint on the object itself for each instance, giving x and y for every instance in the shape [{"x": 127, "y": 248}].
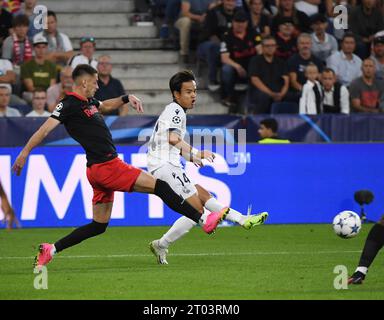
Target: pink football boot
[
  {"x": 44, "y": 255},
  {"x": 213, "y": 219}
]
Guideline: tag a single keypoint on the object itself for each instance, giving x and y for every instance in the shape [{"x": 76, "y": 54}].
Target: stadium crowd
[
  {"x": 287, "y": 52},
  {"x": 288, "y": 55}
]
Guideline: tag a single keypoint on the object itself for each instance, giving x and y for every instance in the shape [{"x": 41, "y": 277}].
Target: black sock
[
  {"x": 175, "y": 202},
  {"x": 374, "y": 242},
  {"x": 84, "y": 232}
]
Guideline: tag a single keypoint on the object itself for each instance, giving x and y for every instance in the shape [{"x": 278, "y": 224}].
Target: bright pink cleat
[
  {"x": 213, "y": 219},
  {"x": 44, "y": 255}
]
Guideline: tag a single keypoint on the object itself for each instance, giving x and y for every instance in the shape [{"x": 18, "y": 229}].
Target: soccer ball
[{"x": 347, "y": 224}]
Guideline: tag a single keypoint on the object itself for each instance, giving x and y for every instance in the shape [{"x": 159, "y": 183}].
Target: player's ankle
[
  {"x": 242, "y": 220},
  {"x": 53, "y": 250},
  {"x": 363, "y": 270},
  {"x": 163, "y": 243},
  {"x": 203, "y": 218}
]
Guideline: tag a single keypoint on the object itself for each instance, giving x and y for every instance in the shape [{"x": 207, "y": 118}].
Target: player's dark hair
[
  {"x": 266, "y": 38},
  {"x": 39, "y": 89},
  {"x": 176, "y": 82},
  {"x": 20, "y": 20},
  {"x": 83, "y": 69},
  {"x": 51, "y": 13},
  {"x": 270, "y": 123},
  {"x": 329, "y": 70},
  {"x": 348, "y": 35}
]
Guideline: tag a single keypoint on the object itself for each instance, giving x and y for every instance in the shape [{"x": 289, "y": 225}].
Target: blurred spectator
[
  {"x": 323, "y": 44},
  {"x": 285, "y": 39},
  {"x": 57, "y": 91},
  {"x": 39, "y": 72},
  {"x": 269, "y": 6},
  {"x": 367, "y": 92},
  {"x": 5, "y": 24},
  {"x": 378, "y": 54},
  {"x": 237, "y": 49},
  {"x": 11, "y": 6},
  {"x": 216, "y": 24},
  {"x": 8, "y": 78},
  {"x": 335, "y": 95},
  {"x": 268, "y": 132},
  {"x": 17, "y": 47},
  {"x": 171, "y": 9},
  {"x": 311, "y": 101},
  {"x": 9, "y": 214},
  {"x": 192, "y": 16},
  {"x": 286, "y": 8},
  {"x": 345, "y": 63},
  {"x": 27, "y": 9},
  {"x": 364, "y": 21},
  {"x": 59, "y": 46},
  {"x": 39, "y": 102},
  {"x": 297, "y": 64},
  {"x": 269, "y": 78},
  {"x": 259, "y": 21},
  {"x": 87, "y": 50},
  {"x": 109, "y": 87},
  {"x": 5, "y": 109}
]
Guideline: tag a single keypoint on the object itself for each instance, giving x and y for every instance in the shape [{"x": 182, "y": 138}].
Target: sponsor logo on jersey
[{"x": 90, "y": 111}]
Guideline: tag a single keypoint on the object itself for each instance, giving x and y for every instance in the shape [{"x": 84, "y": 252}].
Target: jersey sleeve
[
  {"x": 62, "y": 111},
  {"x": 175, "y": 119}
]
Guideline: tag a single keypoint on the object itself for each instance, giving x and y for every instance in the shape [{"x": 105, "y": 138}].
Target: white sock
[
  {"x": 203, "y": 218},
  {"x": 362, "y": 269},
  {"x": 178, "y": 229},
  {"x": 53, "y": 250},
  {"x": 213, "y": 205}
]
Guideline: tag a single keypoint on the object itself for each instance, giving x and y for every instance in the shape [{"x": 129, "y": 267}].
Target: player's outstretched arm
[
  {"x": 34, "y": 141},
  {"x": 188, "y": 152},
  {"x": 115, "y": 103}
]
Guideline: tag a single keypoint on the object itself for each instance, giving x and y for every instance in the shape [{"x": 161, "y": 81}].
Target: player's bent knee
[
  {"x": 145, "y": 183},
  {"x": 195, "y": 202},
  {"x": 203, "y": 194},
  {"x": 98, "y": 227}
]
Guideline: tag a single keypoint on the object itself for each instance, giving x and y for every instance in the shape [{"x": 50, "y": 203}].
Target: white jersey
[{"x": 160, "y": 152}]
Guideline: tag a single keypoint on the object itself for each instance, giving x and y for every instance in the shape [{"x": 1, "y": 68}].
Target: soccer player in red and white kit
[{"x": 81, "y": 115}]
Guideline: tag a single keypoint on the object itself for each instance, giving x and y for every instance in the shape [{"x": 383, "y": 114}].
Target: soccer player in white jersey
[{"x": 164, "y": 150}]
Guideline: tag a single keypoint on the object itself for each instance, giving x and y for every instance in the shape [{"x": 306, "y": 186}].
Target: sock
[
  {"x": 175, "y": 202},
  {"x": 78, "y": 235},
  {"x": 53, "y": 250},
  {"x": 178, "y": 229},
  {"x": 374, "y": 242},
  {"x": 363, "y": 270},
  {"x": 215, "y": 206}
]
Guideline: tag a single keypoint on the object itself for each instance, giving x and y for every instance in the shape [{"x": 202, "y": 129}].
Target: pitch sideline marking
[{"x": 189, "y": 254}]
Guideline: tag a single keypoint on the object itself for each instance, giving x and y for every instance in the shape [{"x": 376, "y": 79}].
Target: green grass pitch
[{"x": 267, "y": 262}]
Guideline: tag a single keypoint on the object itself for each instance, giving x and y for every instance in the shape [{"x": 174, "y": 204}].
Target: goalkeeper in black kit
[{"x": 373, "y": 244}]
